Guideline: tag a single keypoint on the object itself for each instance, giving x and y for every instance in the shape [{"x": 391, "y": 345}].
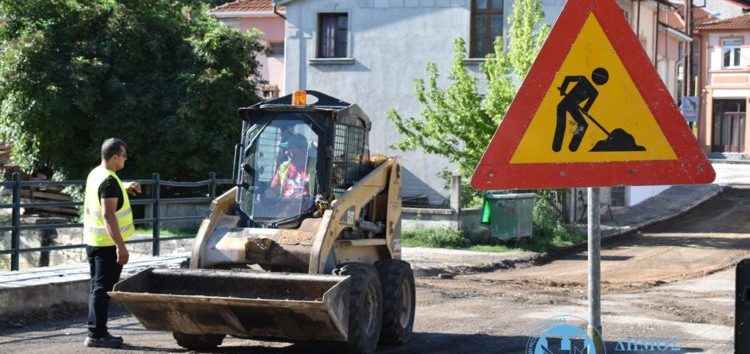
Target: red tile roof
[
  {"x": 733, "y": 23},
  {"x": 246, "y": 6},
  {"x": 700, "y": 16},
  {"x": 671, "y": 17}
]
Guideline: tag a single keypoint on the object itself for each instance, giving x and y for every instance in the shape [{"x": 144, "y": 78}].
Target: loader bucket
[{"x": 240, "y": 303}]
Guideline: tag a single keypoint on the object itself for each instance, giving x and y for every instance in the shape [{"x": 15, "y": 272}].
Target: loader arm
[
  {"x": 346, "y": 210},
  {"x": 218, "y": 211}
]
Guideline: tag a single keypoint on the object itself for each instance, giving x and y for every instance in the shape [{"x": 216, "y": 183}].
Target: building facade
[
  {"x": 263, "y": 16},
  {"x": 370, "y": 52},
  {"x": 724, "y": 79}
]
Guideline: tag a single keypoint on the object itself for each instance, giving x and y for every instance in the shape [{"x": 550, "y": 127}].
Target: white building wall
[
  {"x": 390, "y": 43},
  {"x": 722, "y": 8},
  {"x": 641, "y": 193}
]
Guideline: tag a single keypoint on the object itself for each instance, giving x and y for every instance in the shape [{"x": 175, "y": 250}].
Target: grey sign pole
[{"x": 594, "y": 238}]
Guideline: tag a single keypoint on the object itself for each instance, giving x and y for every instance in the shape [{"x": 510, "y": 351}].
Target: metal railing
[{"x": 155, "y": 200}]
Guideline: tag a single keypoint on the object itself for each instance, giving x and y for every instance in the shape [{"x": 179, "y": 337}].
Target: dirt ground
[{"x": 670, "y": 281}]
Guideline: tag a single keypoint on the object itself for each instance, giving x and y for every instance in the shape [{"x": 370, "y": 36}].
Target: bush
[
  {"x": 549, "y": 229},
  {"x": 434, "y": 237}
]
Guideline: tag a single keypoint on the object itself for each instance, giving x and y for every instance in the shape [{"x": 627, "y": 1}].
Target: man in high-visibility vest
[
  {"x": 294, "y": 177},
  {"x": 107, "y": 223}
]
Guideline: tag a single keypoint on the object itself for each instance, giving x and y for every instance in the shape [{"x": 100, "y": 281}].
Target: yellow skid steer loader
[{"x": 306, "y": 247}]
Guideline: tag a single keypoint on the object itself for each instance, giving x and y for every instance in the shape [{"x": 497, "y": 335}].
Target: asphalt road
[{"x": 673, "y": 281}]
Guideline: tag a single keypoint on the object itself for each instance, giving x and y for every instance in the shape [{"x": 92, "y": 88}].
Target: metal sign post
[
  {"x": 592, "y": 70},
  {"x": 595, "y": 291}
]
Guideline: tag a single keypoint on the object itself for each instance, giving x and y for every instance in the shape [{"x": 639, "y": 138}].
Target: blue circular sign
[{"x": 562, "y": 334}]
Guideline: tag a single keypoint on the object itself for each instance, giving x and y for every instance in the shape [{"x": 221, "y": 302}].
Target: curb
[
  {"x": 28, "y": 298},
  {"x": 436, "y": 271}
]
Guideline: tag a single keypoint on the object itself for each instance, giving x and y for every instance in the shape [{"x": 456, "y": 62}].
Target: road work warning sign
[{"x": 592, "y": 112}]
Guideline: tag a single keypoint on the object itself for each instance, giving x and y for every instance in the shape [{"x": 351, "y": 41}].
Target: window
[
  {"x": 731, "y": 52},
  {"x": 231, "y": 22},
  {"x": 332, "y": 35},
  {"x": 276, "y": 49},
  {"x": 269, "y": 91},
  {"x": 486, "y": 25}
]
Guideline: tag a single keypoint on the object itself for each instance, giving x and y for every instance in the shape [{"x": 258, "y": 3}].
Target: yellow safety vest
[
  {"x": 284, "y": 170},
  {"x": 94, "y": 230}
]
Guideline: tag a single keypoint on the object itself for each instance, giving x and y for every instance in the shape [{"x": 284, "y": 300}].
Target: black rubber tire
[
  {"x": 399, "y": 301},
  {"x": 198, "y": 341},
  {"x": 365, "y": 307}
]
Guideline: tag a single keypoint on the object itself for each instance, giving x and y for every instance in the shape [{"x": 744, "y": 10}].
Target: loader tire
[
  {"x": 198, "y": 341},
  {"x": 365, "y": 308},
  {"x": 399, "y": 301}
]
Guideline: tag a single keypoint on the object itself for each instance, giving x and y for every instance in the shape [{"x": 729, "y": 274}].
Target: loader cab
[{"x": 293, "y": 158}]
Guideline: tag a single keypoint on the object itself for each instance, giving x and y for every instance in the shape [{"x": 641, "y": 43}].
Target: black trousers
[{"x": 105, "y": 272}]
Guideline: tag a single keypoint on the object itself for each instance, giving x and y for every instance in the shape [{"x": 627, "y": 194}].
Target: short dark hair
[{"x": 112, "y": 147}]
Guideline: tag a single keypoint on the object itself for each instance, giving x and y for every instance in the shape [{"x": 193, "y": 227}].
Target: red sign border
[{"x": 494, "y": 170}]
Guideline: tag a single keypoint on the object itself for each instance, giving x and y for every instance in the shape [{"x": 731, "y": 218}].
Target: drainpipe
[
  {"x": 656, "y": 39},
  {"x": 687, "y": 87},
  {"x": 277, "y": 12},
  {"x": 638, "y": 21}
]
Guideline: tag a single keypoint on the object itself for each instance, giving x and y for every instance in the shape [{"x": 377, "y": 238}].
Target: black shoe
[
  {"x": 103, "y": 342},
  {"x": 109, "y": 336}
]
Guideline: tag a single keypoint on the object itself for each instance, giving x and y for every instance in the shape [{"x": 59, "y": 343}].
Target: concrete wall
[
  {"x": 639, "y": 194},
  {"x": 470, "y": 218}
]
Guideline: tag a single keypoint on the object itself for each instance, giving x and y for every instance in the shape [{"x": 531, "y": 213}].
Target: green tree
[
  {"x": 458, "y": 121},
  {"x": 160, "y": 74}
]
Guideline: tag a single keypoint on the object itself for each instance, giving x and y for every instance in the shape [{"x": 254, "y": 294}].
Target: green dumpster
[{"x": 508, "y": 214}]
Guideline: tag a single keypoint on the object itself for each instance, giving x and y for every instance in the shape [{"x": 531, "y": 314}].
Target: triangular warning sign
[{"x": 592, "y": 112}]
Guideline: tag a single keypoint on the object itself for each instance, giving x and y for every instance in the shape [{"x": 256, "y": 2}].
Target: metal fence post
[
  {"x": 156, "y": 224},
  {"x": 212, "y": 187},
  {"x": 455, "y": 200},
  {"x": 15, "y": 237}
]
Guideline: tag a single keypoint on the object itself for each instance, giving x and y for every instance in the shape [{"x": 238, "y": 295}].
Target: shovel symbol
[{"x": 584, "y": 91}]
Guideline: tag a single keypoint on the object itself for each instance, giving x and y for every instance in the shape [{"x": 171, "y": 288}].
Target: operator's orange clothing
[{"x": 292, "y": 181}]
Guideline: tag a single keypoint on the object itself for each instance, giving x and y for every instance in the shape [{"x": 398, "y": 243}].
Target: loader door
[{"x": 279, "y": 169}]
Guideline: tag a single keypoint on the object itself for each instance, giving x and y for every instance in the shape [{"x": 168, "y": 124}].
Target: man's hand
[
  {"x": 133, "y": 188},
  {"x": 122, "y": 255}
]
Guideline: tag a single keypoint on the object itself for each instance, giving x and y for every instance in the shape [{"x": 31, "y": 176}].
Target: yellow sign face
[{"x": 593, "y": 112}]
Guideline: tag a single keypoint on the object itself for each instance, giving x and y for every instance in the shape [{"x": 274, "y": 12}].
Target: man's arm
[
  {"x": 133, "y": 188},
  {"x": 113, "y": 229},
  {"x": 566, "y": 81}
]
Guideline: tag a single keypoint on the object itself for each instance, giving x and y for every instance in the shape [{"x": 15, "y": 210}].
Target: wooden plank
[
  {"x": 55, "y": 210},
  {"x": 51, "y": 196}
]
